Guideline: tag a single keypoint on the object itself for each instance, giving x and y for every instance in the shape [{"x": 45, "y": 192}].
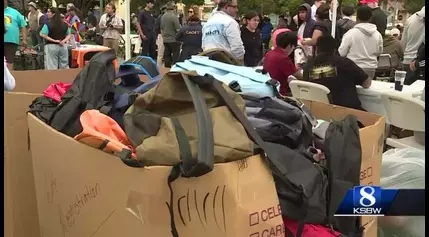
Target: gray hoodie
[
  {"x": 362, "y": 44},
  {"x": 413, "y": 35}
]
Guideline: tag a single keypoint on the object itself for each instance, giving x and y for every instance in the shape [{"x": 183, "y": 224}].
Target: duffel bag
[{"x": 166, "y": 118}]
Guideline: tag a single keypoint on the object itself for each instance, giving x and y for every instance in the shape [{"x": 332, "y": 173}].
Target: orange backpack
[{"x": 102, "y": 132}]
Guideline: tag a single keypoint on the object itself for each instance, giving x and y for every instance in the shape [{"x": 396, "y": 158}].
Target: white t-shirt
[
  {"x": 313, "y": 12},
  {"x": 301, "y": 30}
]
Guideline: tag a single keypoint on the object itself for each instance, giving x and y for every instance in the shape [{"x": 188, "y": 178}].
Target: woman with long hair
[
  {"x": 56, "y": 34},
  {"x": 252, "y": 40}
]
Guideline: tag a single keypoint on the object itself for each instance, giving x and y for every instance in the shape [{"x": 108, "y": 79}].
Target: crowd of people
[{"x": 341, "y": 62}]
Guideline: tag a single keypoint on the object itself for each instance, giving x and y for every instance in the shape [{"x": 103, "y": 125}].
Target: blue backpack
[
  {"x": 124, "y": 94},
  {"x": 243, "y": 80}
]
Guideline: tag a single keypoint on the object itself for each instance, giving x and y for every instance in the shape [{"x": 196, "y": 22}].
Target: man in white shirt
[
  {"x": 222, "y": 30},
  {"x": 111, "y": 25},
  {"x": 316, "y": 4},
  {"x": 363, "y": 43}
]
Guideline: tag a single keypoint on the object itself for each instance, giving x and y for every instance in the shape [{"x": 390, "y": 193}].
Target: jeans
[
  {"x": 149, "y": 45},
  {"x": 36, "y": 39},
  {"x": 411, "y": 76},
  {"x": 171, "y": 53},
  {"x": 56, "y": 57}
]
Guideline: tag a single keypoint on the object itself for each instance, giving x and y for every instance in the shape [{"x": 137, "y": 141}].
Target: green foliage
[
  {"x": 189, "y": 3},
  {"x": 413, "y": 6}
]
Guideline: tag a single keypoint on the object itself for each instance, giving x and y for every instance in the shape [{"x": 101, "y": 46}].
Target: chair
[
  {"x": 407, "y": 113},
  {"x": 384, "y": 68},
  {"x": 309, "y": 91}
]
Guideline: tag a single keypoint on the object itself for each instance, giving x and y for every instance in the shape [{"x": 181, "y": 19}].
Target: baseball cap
[
  {"x": 368, "y": 1},
  {"x": 395, "y": 31},
  {"x": 150, "y": 1},
  {"x": 32, "y": 4}
]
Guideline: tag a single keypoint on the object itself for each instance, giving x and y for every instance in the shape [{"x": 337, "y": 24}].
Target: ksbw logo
[{"x": 367, "y": 201}]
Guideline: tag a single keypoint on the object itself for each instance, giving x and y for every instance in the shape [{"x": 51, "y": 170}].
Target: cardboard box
[
  {"x": 70, "y": 176},
  {"x": 82, "y": 191},
  {"x": 20, "y": 214},
  {"x": 21, "y": 218},
  {"x": 371, "y": 229},
  {"x": 371, "y": 138}
]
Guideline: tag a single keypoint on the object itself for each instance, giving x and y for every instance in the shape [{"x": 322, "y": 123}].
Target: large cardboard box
[
  {"x": 20, "y": 204},
  {"x": 20, "y": 214},
  {"x": 83, "y": 191},
  {"x": 371, "y": 138}
]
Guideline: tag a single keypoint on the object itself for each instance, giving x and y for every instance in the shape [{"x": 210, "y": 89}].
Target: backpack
[
  {"x": 309, "y": 191},
  {"x": 130, "y": 86},
  {"x": 43, "y": 107},
  {"x": 279, "y": 121},
  {"x": 220, "y": 55},
  {"x": 343, "y": 27},
  {"x": 243, "y": 80},
  {"x": 88, "y": 91},
  {"x": 171, "y": 110},
  {"x": 102, "y": 132}
]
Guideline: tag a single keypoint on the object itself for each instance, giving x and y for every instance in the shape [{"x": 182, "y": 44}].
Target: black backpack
[
  {"x": 310, "y": 192},
  {"x": 90, "y": 90}
]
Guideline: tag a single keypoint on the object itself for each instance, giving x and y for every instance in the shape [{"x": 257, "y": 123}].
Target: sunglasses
[{"x": 190, "y": 11}]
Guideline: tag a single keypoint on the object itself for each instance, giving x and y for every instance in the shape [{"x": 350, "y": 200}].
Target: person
[
  {"x": 111, "y": 25},
  {"x": 418, "y": 64},
  {"x": 393, "y": 47},
  {"x": 15, "y": 24},
  {"x": 363, "y": 43},
  {"x": 323, "y": 25},
  {"x": 276, "y": 33},
  {"x": 379, "y": 18},
  {"x": 73, "y": 20},
  {"x": 91, "y": 19},
  {"x": 146, "y": 29},
  {"x": 170, "y": 25},
  {"x": 159, "y": 41},
  {"x": 305, "y": 22},
  {"x": 346, "y": 22},
  {"x": 412, "y": 38},
  {"x": 190, "y": 14},
  {"x": 9, "y": 80},
  {"x": 266, "y": 30},
  {"x": 278, "y": 64},
  {"x": 56, "y": 35},
  {"x": 191, "y": 37},
  {"x": 340, "y": 75},
  {"x": 34, "y": 18},
  {"x": 222, "y": 31},
  {"x": 282, "y": 23},
  {"x": 252, "y": 40},
  {"x": 317, "y": 4}
]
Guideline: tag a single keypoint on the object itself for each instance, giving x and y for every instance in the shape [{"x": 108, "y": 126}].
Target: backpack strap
[{"x": 205, "y": 162}]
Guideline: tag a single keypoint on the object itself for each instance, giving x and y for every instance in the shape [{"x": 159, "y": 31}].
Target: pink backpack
[{"x": 310, "y": 230}]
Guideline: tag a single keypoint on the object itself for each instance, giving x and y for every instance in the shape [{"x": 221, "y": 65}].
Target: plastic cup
[{"x": 399, "y": 80}]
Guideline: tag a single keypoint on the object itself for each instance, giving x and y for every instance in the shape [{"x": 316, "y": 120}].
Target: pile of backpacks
[{"x": 205, "y": 111}]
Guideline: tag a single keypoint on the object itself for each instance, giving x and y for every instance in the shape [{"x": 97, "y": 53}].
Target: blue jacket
[{"x": 266, "y": 30}]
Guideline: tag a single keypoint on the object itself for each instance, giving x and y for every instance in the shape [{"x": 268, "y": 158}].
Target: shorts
[{"x": 10, "y": 51}]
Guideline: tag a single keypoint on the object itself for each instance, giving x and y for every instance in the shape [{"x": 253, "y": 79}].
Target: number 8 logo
[{"x": 367, "y": 196}]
